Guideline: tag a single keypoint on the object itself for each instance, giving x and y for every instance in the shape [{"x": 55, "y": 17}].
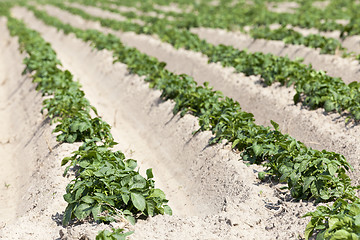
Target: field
[{"x": 184, "y": 119}]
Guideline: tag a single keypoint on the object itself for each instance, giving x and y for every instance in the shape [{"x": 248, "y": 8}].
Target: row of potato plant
[
  {"x": 314, "y": 89},
  {"x": 226, "y": 15},
  {"x": 106, "y": 184},
  {"x": 309, "y": 173},
  {"x": 243, "y": 13},
  {"x": 289, "y": 36},
  {"x": 253, "y": 13}
]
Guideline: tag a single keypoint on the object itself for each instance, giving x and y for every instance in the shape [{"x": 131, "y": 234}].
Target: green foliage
[
  {"x": 313, "y": 88},
  {"x": 310, "y": 174},
  {"x": 289, "y": 36},
  {"x": 107, "y": 182},
  {"x": 83, "y": 128},
  {"x": 115, "y": 234},
  {"x": 339, "y": 221}
]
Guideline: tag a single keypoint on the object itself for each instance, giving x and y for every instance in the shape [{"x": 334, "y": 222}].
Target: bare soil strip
[
  {"x": 314, "y": 128},
  {"x": 9, "y": 198},
  {"x": 214, "y": 195},
  {"x": 31, "y": 182},
  {"x": 95, "y": 12},
  {"x": 283, "y": 7}
]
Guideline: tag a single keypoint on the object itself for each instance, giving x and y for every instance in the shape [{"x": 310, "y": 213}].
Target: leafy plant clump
[
  {"x": 107, "y": 182},
  {"x": 339, "y": 221}
]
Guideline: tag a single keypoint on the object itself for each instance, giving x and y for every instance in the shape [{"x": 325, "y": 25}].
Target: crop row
[
  {"x": 105, "y": 181},
  {"x": 256, "y": 13},
  {"x": 310, "y": 174},
  {"x": 226, "y": 15},
  {"x": 289, "y": 36},
  {"x": 313, "y": 88}
]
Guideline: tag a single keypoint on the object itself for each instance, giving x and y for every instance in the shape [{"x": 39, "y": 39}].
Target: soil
[
  {"x": 283, "y": 7},
  {"x": 213, "y": 195}
]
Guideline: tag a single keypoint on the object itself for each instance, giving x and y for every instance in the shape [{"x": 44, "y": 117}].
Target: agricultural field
[{"x": 183, "y": 119}]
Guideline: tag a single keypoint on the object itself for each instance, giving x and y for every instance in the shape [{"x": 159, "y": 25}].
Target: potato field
[{"x": 182, "y": 119}]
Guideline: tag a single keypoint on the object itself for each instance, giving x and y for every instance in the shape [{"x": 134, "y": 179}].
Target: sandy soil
[
  {"x": 31, "y": 182},
  {"x": 283, "y": 7},
  {"x": 173, "y": 7},
  {"x": 213, "y": 195},
  {"x": 315, "y": 128},
  {"x": 352, "y": 43},
  {"x": 211, "y": 200},
  {"x": 321, "y": 4},
  {"x": 334, "y": 65}
]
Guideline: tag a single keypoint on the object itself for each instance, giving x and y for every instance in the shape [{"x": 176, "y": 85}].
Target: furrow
[
  {"x": 352, "y": 43},
  {"x": 335, "y": 66},
  {"x": 215, "y": 196},
  {"x": 314, "y": 128},
  {"x": 31, "y": 182}
]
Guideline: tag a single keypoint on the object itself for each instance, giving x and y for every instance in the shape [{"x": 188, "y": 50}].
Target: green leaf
[
  {"x": 167, "y": 210},
  {"x": 257, "y": 149},
  {"x": 314, "y": 189},
  {"x": 357, "y": 220},
  {"x": 329, "y": 106},
  {"x": 74, "y": 126},
  {"x": 68, "y": 198},
  {"x": 131, "y": 163},
  {"x": 150, "y": 207},
  {"x": 65, "y": 160},
  {"x": 157, "y": 193},
  {"x": 130, "y": 218},
  {"x": 334, "y": 223},
  {"x": 235, "y": 143},
  {"x": 96, "y": 210},
  {"x": 68, "y": 214},
  {"x": 324, "y": 194},
  {"x": 82, "y": 211},
  {"x": 261, "y": 175},
  {"x": 125, "y": 198},
  {"x": 309, "y": 229},
  {"x": 138, "y": 200},
  {"x": 307, "y": 182},
  {"x": 149, "y": 173},
  {"x": 83, "y": 126},
  {"x": 332, "y": 169},
  {"x": 79, "y": 192},
  {"x": 341, "y": 235},
  {"x": 275, "y": 125},
  {"x": 355, "y": 209},
  {"x": 87, "y": 199},
  {"x": 297, "y": 98},
  {"x": 71, "y": 138}
]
